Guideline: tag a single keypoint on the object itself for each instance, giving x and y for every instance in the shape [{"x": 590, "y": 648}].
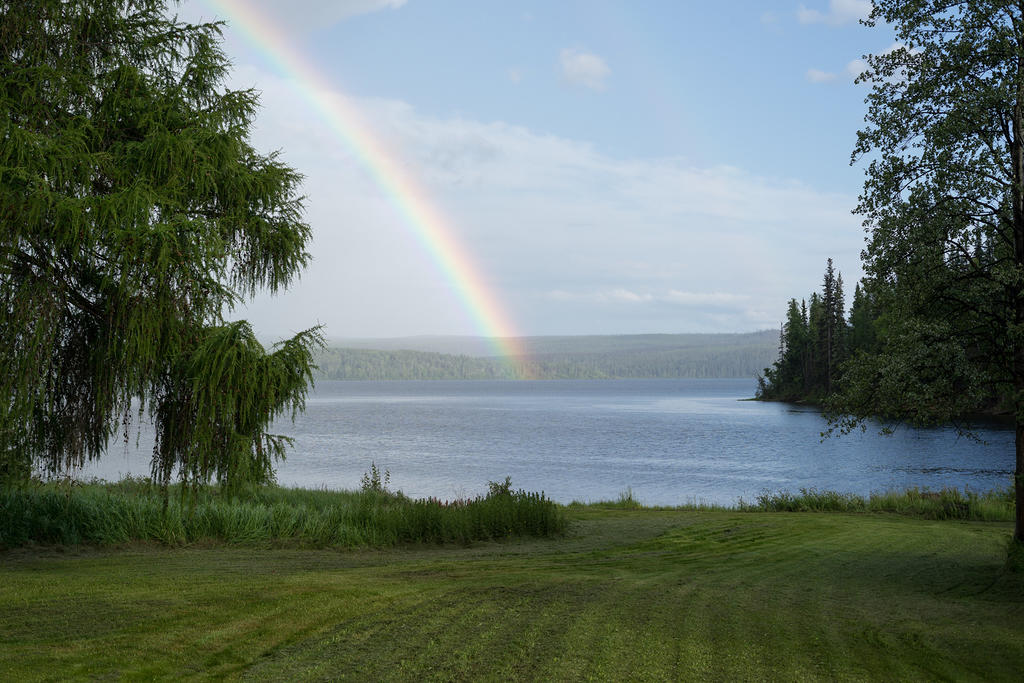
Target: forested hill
[{"x": 583, "y": 357}]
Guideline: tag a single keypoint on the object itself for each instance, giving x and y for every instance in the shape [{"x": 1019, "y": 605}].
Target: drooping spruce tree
[
  {"x": 134, "y": 213},
  {"x": 944, "y": 201}
]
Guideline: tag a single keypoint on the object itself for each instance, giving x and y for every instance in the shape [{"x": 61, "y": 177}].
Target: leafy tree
[
  {"x": 134, "y": 214},
  {"x": 944, "y": 201}
]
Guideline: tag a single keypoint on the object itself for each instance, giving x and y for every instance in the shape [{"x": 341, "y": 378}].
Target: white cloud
[
  {"x": 819, "y": 76},
  {"x": 627, "y": 296},
  {"x": 705, "y": 298},
  {"x": 856, "y": 67},
  {"x": 584, "y": 69},
  {"x": 839, "y": 12},
  {"x": 569, "y": 239},
  {"x": 623, "y": 295},
  {"x": 515, "y": 75}
]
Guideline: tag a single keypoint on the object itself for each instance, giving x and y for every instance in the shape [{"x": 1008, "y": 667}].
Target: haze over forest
[{"x": 555, "y": 357}]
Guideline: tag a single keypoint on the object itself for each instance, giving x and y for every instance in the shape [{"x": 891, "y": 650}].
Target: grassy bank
[
  {"x": 649, "y": 595},
  {"x": 133, "y": 510},
  {"x": 990, "y": 506}
]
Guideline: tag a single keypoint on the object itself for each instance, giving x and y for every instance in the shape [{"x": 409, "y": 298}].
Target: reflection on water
[{"x": 671, "y": 441}]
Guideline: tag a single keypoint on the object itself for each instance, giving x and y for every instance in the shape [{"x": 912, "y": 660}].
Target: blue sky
[
  {"x": 689, "y": 79},
  {"x": 613, "y": 167}
]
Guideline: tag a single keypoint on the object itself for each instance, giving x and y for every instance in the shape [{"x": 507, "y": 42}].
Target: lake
[{"x": 669, "y": 441}]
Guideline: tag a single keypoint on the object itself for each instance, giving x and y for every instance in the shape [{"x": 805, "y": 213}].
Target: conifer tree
[
  {"x": 134, "y": 214},
  {"x": 830, "y": 330},
  {"x": 808, "y": 354},
  {"x": 841, "y": 331},
  {"x": 862, "y": 334},
  {"x": 792, "y": 361},
  {"x": 817, "y": 362},
  {"x": 785, "y": 379},
  {"x": 812, "y": 345}
]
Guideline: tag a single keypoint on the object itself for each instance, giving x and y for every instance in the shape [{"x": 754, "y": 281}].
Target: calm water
[{"x": 671, "y": 441}]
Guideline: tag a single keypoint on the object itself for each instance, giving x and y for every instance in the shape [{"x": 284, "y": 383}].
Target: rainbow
[{"x": 419, "y": 214}]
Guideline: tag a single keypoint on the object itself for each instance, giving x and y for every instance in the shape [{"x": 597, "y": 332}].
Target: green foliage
[
  {"x": 938, "y": 328},
  {"x": 943, "y": 200},
  {"x": 134, "y": 214},
  {"x": 134, "y": 510},
  {"x": 949, "y": 503},
  {"x": 627, "y": 501},
  {"x": 863, "y": 333},
  {"x": 374, "y": 481},
  {"x": 809, "y": 500},
  {"x": 499, "y": 488}
]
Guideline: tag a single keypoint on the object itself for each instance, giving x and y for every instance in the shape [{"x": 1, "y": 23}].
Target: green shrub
[
  {"x": 948, "y": 503},
  {"x": 375, "y": 481}
]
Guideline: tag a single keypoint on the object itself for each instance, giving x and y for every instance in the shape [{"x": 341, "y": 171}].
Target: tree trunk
[
  {"x": 1018, "y": 527},
  {"x": 1017, "y": 154}
]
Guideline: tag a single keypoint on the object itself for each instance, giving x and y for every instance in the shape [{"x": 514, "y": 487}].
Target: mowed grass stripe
[
  {"x": 603, "y": 622},
  {"x": 649, "y": 595},
  {"x": 451, "y": 633}
]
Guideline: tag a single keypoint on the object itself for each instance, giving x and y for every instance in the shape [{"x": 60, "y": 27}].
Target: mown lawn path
[{"x": 648, "y": 595}]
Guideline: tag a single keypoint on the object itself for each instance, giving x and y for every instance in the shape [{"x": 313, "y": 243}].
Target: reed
[
  {"x": 133, "y": 510},
  {"x": 947, "y": 503}
]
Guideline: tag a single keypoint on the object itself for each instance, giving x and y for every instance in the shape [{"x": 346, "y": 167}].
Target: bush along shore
[
  {"x": 948, "y": 503},
  {"x": 132, "y": 510}
]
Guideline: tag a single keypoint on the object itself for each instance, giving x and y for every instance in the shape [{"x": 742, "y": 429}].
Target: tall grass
[
  {"x": 948, "y": 503},
  {"x": 628, "y": 501},
  {"x": 133, "y": 510}
]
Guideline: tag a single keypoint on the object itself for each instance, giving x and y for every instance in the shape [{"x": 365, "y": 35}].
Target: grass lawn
[{"x": 644, "y": 594}]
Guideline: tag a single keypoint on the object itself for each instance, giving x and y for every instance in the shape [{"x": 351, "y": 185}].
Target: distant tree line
[
  {"x": 371, "y": 364},
  {"x": 742, "y": 359}
]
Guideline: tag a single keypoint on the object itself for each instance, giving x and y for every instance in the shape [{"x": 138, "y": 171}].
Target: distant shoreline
[{"x": 684, "y": 356}]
